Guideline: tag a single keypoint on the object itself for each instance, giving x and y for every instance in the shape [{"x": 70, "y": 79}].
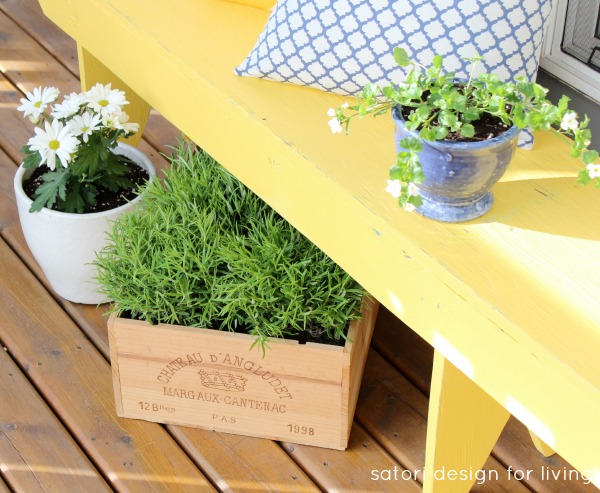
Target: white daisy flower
[
  {"x": 104, "y": 100},
  {"x": 85, "y": 124},
  {"x": 56, "y": 140},
  {"x": 593, "y": 170},
  {"x": 330, "y": 112},
  {"x": 335, "y": 125},
  {"x": 413, "y": 190},
  {"x": 409, "y": 207},
  {"x": 36, "y": 102},
  {"x": 569, "y": 121},
  {"x": 76, "y": 97},
  {"x": 121, "y": 121},
  {"x": 66, "y": 109},
  {"x": 394, "y": 187}
]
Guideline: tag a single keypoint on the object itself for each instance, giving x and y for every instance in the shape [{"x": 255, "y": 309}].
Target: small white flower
[
  {"x": 413, "y": 190},
  {"x": 76, "y": 97},
  {"x": 593, "y": 170},
  {"x": 56, "y": 140},
  {"x": 65, "y": 109},
  {"x": 335, "y": 125},
  {"x": 121, "y": 121},
  {"x": 330, "y": 112},
  {"x": 104, "y": 100},
  {"x": 394, "y": 187},
  {"x": 345, "y": 104},
  {"x": 569, "y": 121},
  {"x": 409, "y": 207},
  {"x": 85, "y": 124},
  {"x": 36, "y": 102},
  {"x": 587, "y": 143},
  {"x": 109, "y": 120}
]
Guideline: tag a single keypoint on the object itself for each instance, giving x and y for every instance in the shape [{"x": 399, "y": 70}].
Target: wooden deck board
[
  {"x": 243, "y": 464},
  {"x": 335, "y": 470},
  {"x": 3, "y": 487},
  {"x": 37, "y": 452},
  {"x": 64, "y": 349},
  {"x": 395, "y": 412}
]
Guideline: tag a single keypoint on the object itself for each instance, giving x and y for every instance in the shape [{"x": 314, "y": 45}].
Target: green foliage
[
  {"x": 205, "y": 251},
  {"x": 441, "y": 105},
  {"x": 54, "y": 188}
]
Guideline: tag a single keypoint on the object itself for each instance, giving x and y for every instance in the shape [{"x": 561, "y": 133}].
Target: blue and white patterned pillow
[{"x": 340, "y": 45}]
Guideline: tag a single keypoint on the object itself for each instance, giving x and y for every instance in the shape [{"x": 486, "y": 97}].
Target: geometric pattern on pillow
[{"x": 340, "y": 45}]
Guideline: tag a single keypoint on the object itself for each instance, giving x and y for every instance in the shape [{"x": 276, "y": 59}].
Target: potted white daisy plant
[{"x": 75, "y": 179}]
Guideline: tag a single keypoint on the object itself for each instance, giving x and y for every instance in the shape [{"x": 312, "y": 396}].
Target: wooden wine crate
[{"x": 302, "y": 393}]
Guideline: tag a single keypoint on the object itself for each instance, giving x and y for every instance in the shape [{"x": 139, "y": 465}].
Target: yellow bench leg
[
  {"x": 93, "y": 71},
  {"x": 542, "y": 447},
  {"x": 464, "y": 424}
]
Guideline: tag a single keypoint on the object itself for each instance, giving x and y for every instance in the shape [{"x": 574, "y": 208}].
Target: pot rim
[
  {"x": 511, "y": 134},
  {"x": 140, "y": 159}
]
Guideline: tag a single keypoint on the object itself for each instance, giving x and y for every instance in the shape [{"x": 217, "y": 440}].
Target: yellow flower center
[
  {"x": 103, "y": 102},
  {"x": 54, "y": 144},
  {"x": 37, "y": 104}
]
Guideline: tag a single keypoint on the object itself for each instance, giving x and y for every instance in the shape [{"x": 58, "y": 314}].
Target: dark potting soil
[
  {"x": 486, "y": 128},
  {"x": 302, "y": 337},
  {"x": 105, "y": 199}
]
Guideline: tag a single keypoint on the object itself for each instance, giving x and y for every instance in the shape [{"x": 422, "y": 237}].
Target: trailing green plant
[
  {"x": 438, "y": 106},
  {"x": 205, "y": 251}
]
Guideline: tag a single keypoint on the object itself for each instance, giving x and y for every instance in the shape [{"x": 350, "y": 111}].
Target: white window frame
[{"x": 562, "y": 65}]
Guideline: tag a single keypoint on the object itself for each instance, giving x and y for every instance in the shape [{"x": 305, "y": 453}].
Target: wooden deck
[{"x": 58, "y": 429}]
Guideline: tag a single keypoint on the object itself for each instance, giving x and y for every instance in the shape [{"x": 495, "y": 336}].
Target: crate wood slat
[
  {"x": 210, "y": 379},
  {"x": 75, "y": 380},
  {"x": 36, "y": 452}
]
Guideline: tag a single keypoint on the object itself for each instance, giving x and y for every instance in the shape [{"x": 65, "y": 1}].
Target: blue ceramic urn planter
[{"x": 459, "y": 175}]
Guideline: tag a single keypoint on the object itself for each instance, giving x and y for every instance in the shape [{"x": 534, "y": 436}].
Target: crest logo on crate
[
  {"x": 218, "y": 372},
  {"x": 222, "y": 381}
]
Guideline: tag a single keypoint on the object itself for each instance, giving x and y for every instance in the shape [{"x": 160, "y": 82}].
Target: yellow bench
[{"x": 511, "y": 301}]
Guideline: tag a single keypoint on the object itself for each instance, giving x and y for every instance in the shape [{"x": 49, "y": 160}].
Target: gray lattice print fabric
[{"x": 340, "y": 45}]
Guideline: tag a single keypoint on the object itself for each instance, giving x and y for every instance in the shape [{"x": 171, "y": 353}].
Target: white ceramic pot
[{"x": 65, "y": 244}]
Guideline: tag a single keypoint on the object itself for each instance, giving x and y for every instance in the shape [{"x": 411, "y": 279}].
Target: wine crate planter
[{"x": 211, "y": 379}]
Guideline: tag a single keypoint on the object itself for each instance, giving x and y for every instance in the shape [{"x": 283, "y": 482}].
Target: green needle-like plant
[{"x": 205, "y": 251}]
